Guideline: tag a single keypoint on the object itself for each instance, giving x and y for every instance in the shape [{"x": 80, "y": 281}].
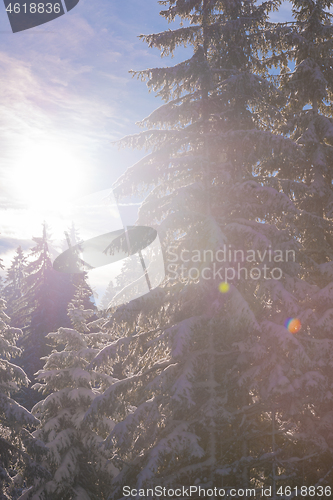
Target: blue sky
[{"x": 66, "y": 94}]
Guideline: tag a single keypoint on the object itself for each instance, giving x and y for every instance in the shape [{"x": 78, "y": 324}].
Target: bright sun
[{"x": 46, "y": 175}]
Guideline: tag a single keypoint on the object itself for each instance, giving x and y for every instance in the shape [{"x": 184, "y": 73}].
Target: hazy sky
[{"x": 65, "y": 95}]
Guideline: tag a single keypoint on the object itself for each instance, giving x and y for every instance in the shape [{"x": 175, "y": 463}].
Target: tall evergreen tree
[
  {"x": 80, "y": 471},
  {"x": 16, "y": 442},
  {"x": 45, "y": 297},
  {"x": 209, "y": 374},
  {"x": 308, "y": 121},
  {"x": 13, "y": 289}
]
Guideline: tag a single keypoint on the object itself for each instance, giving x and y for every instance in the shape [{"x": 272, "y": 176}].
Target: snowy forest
[{"x": 219, "y": 382}]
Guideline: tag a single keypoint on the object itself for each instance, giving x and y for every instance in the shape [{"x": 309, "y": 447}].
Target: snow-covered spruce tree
[
  {"x": 16, "y": 442},
  {"x": 308, "y": 121},
  {"x": 78, "y": 468},
  {"x": 13, "y": 287},
  {"x": 45, "y": 297},
  {"x": 110, "y": 292},
  {"x": 209, "y": 378}
]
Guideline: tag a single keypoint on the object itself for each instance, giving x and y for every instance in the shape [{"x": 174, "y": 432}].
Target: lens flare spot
[
  {"x": 293, "y": 325},
  {"x": 224, "y": 287}
]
